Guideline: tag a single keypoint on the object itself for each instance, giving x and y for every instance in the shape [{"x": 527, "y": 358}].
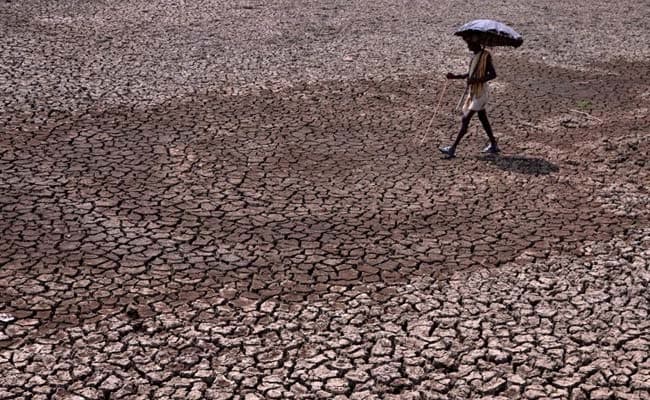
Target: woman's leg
[
  {"x": 482, "y": 116},
  {"x": 464, "y": 124}
]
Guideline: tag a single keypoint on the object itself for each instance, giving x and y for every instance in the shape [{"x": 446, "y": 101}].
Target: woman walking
[{"x": 481, "y": 71}]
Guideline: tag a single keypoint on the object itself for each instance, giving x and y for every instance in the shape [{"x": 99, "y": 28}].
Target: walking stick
[{"x": 435, "y": 112}]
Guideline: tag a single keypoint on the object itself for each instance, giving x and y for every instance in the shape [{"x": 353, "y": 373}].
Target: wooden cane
[{"x": 435, "y": 112}]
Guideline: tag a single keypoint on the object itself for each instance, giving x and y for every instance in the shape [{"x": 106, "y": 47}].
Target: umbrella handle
[{"x": 462, "y": 98}]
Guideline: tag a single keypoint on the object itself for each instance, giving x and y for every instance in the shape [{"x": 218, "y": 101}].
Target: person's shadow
[{"x": 522, "y": 164}]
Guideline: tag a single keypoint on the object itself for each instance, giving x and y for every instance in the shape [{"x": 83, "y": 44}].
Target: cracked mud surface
[{"x": 244, "y": 201}]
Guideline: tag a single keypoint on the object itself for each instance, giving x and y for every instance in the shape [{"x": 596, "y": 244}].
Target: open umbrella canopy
[{"x": 490, "y": 33}]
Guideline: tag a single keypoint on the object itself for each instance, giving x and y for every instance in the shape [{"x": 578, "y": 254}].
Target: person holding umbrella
[
  {"x": 478, "y": 34},
  {"x": 481, "y": 71}
]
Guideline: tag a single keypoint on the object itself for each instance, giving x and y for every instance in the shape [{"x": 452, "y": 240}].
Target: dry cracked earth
[{"x": 245, "y": 200}]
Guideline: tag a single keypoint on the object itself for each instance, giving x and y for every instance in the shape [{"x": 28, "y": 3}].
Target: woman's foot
[
  {"x": 450, "y": 151},
  {"x": 492, "y": 149}
]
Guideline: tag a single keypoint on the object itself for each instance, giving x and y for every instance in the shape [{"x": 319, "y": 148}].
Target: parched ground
[{"x": 245, "y": 200}]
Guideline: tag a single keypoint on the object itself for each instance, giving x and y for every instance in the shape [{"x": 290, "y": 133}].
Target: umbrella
[{"x": 490, "y": 33}]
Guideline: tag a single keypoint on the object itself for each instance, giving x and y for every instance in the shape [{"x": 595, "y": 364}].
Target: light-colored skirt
[{"x": 478, "y": 101}]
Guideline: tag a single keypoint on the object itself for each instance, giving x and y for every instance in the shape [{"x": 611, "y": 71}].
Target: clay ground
[{"x": 245, "y": 200}]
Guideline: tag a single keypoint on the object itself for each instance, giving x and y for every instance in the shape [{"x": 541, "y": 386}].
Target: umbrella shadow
[{"x": 522, "y": 164}]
